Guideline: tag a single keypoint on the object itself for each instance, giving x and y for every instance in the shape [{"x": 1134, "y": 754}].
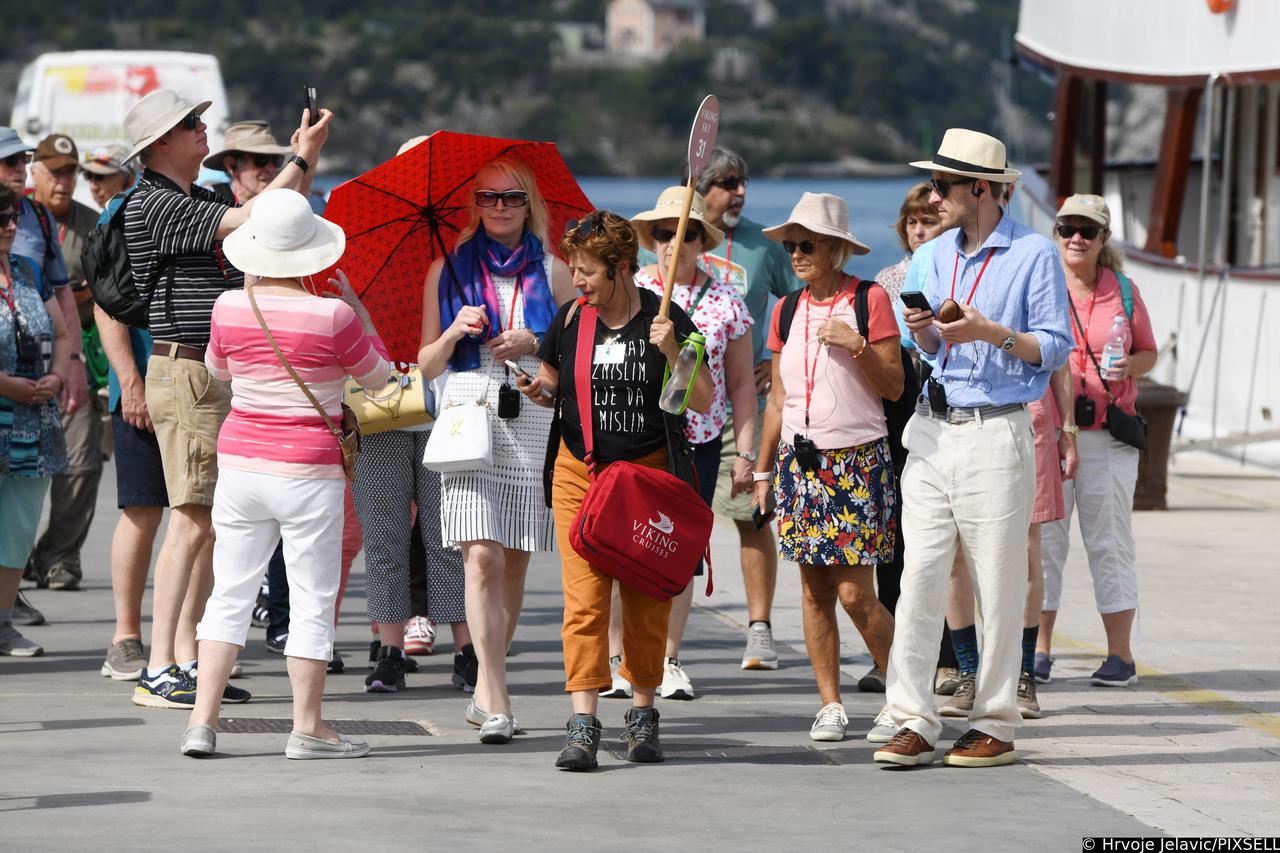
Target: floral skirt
[{"x": 841, "y": 514}]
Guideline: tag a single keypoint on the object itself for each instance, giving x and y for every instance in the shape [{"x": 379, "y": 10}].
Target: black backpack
[
  {"x": 896, "y": 412},
  {"x": 105, "y": 260}
]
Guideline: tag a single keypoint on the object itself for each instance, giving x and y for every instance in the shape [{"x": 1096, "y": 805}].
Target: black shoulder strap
[
  {"x": 42, "y": 216},
  {"x": 861, "y": 305},
  {"x": 787, "y": 313}
]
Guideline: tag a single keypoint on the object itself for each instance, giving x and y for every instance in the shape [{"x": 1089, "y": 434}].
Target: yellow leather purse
[{"x": 405, "y": 401}]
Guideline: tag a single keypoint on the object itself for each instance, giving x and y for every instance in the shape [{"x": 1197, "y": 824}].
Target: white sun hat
[
  {"x": 971, "y": 154},
  {"x": 156, "y": 114},
  {"x": 821, "y": 213},
  {"x": 284, "y": 239}
]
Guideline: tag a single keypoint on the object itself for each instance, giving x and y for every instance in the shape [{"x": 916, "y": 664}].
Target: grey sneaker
[
  {"x": 125, "y": 660},
  {"x": 961, "y": 702},
  {"x": 498, "y": 728},
  {"x": 198, "y": 741},
  {"x": 24, "y": 613},
  {"x": 641, "y": 736},
  {"x": 883, "y": 729},
  {"x": 830, "y": 724},
  {"x": 13, "y": 643},
  {"x": 582, "y": 741},
  {"x": 760, "y": 653},
  {"x": 65, "y": 576},
  {"x": 302, "y": 746},
  {"x": 1028, "y": 706},
  {"x": 946, "y": 680}
]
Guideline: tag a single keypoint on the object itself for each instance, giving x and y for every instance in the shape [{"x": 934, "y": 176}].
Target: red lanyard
[
  {"x": 955, "y": 269},
  {"x": 1081, "y": 345},
  {"x": 811, "y": 376},
  {"x": 515, "y": 297},
  {"x": 692, "y": 306},
  {"x": 8, "y": 296}
]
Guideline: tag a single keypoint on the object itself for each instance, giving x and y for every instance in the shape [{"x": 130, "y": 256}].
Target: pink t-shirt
[
  {"x": 845, "y": 410},
  {"x": 273, "y": 428},
  {"x": 1096, "y": 313}
]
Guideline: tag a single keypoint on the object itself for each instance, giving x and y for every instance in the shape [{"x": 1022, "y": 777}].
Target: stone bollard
[{"x": 1159, "y": 404}]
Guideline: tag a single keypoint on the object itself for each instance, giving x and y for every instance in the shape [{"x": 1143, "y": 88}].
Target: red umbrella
[{"x": 402, "y": 215}]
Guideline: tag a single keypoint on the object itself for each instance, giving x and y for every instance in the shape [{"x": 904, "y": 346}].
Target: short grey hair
[{"x": 723, "y": 161}]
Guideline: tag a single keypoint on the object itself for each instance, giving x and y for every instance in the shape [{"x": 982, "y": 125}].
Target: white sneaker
[
  {"x": 760, "y": 653},
  {"x": 419, "y": 636},
  {"x": 830, "y": 723},
  {"x": 499, "y": 728},
  {"x": 675, "y": 682},
  {"x": 621, "y": 688},
  {"x": 883, "y": 729}
]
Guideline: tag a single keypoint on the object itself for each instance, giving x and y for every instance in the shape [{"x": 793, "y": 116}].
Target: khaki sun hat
[
  {"x": 821, "y": 213},
  {"x": 108, "y": 160},
  {"x": 1093, "y": 207},
  {"x": 57, "y": 151},
  {"x": 249, "y": 137},
  {"x": 668, "y": 206},
  {"x": 971, "y": 154},
  {"x": 157, "y": 113},
  {"x": 282, "y": 238}
]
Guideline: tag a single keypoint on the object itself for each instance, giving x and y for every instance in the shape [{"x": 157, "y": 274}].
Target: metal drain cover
[{"x": 273, "y": 725}]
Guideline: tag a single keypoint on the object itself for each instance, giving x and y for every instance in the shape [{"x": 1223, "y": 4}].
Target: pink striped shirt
[{"x": 272, "y": 427}]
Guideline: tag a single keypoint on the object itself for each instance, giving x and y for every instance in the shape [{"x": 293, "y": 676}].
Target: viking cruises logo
[
  {"x": 655, "y": 536},
  {"x": 663, "y": 524}
]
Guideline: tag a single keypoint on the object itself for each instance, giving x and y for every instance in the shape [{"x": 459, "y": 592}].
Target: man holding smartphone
[{"x": 970, "y": 476}]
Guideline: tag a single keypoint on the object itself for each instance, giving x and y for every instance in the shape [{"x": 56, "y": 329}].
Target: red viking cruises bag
[{"x": 642, "y": 526}]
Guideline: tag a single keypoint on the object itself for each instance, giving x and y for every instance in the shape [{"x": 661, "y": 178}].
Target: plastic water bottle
[
  {"x": 677, "y": 387},
  {"x": 1117, "y": 345}
]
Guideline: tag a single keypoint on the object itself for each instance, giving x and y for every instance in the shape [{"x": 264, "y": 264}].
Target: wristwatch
[
  {"x": 75, "y": 356},
  {"x": 301, "y": 164},
  {"x": 1008, "y": 343},
  {"x": 761, "y": 476},
  {"x": 749, "y": 455},
  {"x": 1072, "y": 429}
]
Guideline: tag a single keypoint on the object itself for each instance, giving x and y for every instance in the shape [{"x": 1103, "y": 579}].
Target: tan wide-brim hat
[
  {"x": 669, "y": 205},
  {"x": 109, "y": 160},
  {"x": 249, "y": 137},
  {"x": 821, "y": 213},
  {"x": 1092, "y": 207},
  {"x": 155, "y": 114},
  {"x": 971, "y": 154},
  {"x": 282, "y": 238}
]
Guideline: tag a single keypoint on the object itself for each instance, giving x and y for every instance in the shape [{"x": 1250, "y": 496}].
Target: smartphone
[
  {"x": 520, "y": 371},
  {"x": 760, "y": 519},
  {"x": 312, "y": 105},
  {"x": 915, "y": 299}
]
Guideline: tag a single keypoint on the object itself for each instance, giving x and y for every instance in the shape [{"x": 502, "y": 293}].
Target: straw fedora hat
[
  {"x": 250, "y": 137},
  {"x": 157, "y": 113},
  {"x": 971, "y": 154},
  {"x": 668, "y": 206},
  {"x": 283, "y": 239},
  {"x": 821, "y": 213}
]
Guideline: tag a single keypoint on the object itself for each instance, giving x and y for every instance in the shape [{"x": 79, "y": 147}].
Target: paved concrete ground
[{"x": 1191, "y": 750}]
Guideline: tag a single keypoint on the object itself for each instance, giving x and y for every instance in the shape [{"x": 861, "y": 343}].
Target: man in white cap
[
  {"x": 173, "y": 230},
  {"x": 251, "y": 158},
  {"x": 970, "y": 477},
  {"x": 108, "y": 173}
]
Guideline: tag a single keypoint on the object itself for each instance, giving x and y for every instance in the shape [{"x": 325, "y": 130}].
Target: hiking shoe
[
  {"x": 420, "y": 636},
  {"x": 125, "y": 660},
  {"x": 961, "y": 702},
  {"x": 1040, "y": 669},
  {"x": 905, "y": 749},
  {"x": 873, "y": 681},
  {"x": 336, "y": 664},
  {"x": 198, "y": 741},
  {"x": 300, "y": 746},
  {"x": 675, "y": 682},
  {"x": 64, "y": 576},
  {"x": 169, "y": 688},
  {"x": 1028, "y": 705},
  {"x": 976, "y": 749},
  {"x": 466, "y": 667},
  {"x": 946, "y": 680},
  {"x": 581, "y": 743},
  {"x": 641, "y": 735},
  {"x": 621, "y": 688},
  {"x": 13, "y": 643},
  {"x": 476, "y": 716},
  {"x": 24, "y": 614},
  {"x": 830, "y": 724},
  {"x": 760, "y": 653},
  {"x": 261, "y": 615},
  {"x": 1114, "y": 672},
  {"x": 497, "y": 728},
  {"x": 277, "y": 643},
  {"x": 883, "y": 729},
  {"x": 388, "y": 675}
]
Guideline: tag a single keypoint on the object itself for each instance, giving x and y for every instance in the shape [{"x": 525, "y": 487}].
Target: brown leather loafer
[
  {"x": 976, "y": 749},
  {"x": 907, "y": 749}
]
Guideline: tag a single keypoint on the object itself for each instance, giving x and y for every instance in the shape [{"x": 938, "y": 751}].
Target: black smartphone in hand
[
  {"x": 312, "y": 105},
  {"x": 916, "y": 300},
  {"x": 760, "y": 519}
]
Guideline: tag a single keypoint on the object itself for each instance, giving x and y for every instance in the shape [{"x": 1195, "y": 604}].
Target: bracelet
[
  {"x": 1071, "y": 430},
  {"x": 299, "y": 162},
  {"x": 861, "y": 349},
  {"x": 75, "y": 356},
  {"x": 761, "y": 476}
]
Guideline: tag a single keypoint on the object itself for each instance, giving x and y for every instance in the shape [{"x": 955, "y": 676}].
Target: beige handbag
[{"x": 405, "y": 401}]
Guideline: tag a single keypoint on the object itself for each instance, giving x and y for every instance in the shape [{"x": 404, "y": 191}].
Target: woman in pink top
[
  {"x": 282, "y": 466},
  {"x": 1107, "y": 472},
  {"x": 825, "y": 423}
]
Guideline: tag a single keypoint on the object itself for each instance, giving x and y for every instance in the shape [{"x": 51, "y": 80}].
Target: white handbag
[{"x": 461, "y": 440}]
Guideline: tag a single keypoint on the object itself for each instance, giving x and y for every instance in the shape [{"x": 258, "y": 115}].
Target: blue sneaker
[
  {"x": 170, "y": 688},
  {"x": 1115, "y": 673},
  {"x": 1040, "y": 669}
]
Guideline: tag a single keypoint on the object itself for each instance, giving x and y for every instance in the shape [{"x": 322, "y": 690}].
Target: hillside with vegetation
[{"x": 835, "y": 85}]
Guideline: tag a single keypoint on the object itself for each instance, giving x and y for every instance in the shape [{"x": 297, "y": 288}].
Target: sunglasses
[
  {"x": 1066, "y": 232},
  {"x": 510, "y": 198},
  {"x": 19, "y": 159},
  {"x": 10, "y": 218},
  {"x": 942, "y": 186},
  {"x": 806, "y": 247},
  {"x": 593, "y": 223},
  {"x": 263, "y": 160},
  {"x": 731, "y": 184},
  {"x": 93, "y": 177},
  {"x": 666, "y": 235},
  {"x": 189, "y": 121}
]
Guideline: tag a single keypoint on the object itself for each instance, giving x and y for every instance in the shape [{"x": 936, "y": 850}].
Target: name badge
[{"x": 610, "y": 353}]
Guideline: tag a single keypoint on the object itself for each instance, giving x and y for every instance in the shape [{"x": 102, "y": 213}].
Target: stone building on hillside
[{"x": 649, "y": 29}]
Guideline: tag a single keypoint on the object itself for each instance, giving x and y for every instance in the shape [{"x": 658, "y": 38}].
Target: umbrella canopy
[{"x": 402, "y": 215}]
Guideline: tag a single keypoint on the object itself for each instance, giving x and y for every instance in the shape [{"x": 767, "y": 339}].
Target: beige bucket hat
[
  {"x": 108, "y": 160},
  {"x": 157, "y": 113},
  {"x": 972, "y": 154},
  {"x": 821, "y": 213},
  {"x": 1093, "y": 207},
  {"x": 250, "y": 137},
  {"x": 668, "y": 206},
  {"x": 282, "y": 238}
]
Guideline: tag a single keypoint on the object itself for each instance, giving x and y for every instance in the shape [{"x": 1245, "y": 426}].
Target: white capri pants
[
  {"x": 1103, "y": 493},
  {"x": 251, "y": 513}
]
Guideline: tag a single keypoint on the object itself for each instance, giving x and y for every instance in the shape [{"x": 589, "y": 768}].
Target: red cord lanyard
[
  {"x": 811, "y": 377},
  {"x": 693, "y": 306},
  {"x": 955, "y": 269},
  {"x": 1082, "y": 344},
  {"x": 8, "y": 296},
  {"x": 728, "y": 257},
  {"x": 515, "y": 297}
]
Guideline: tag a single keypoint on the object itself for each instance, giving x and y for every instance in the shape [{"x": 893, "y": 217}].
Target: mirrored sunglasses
[{"x": 593, "y": 223}]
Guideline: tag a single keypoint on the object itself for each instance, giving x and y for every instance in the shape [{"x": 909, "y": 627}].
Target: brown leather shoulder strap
[{"x": 257, "y": 312}]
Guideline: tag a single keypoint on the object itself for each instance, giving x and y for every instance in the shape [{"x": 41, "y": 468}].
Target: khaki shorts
[
  {"x": 739, "y": 508},
  {"x": 187, "y": 408}
]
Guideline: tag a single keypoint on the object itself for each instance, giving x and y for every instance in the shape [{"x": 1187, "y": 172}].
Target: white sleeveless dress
[{"x": 504, "y": 503}]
